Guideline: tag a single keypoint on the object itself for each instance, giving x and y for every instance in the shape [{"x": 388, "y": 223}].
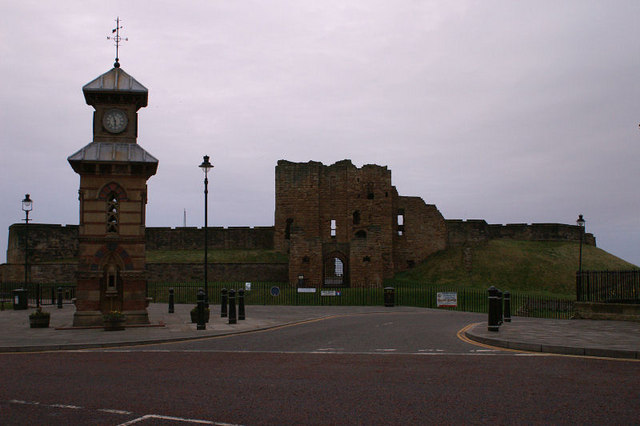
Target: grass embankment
[
  {"x": 539, "y": 267},
  {"x": 216, "y": 256}
]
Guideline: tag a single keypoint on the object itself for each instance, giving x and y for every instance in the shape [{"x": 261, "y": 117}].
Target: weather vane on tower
[{"x": 117, "y": 40}]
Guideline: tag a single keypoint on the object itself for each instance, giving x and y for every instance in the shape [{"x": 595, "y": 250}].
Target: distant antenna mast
[
  {"x": 117, "y": 39},
  {"x": 184, "y": 219}
]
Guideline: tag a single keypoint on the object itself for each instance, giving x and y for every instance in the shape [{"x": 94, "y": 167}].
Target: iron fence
[
  {"x": 48, "y": 292},
  {"x": 271, "y": 293},
  {"x": 608, "y": 286},
  {"x": 467, "y": 299}
]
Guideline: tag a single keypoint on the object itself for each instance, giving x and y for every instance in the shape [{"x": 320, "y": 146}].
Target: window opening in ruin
[
  {"x": 334, "y": 272},
  {"x": 287, "y": 229},
  {"x": 366, "y": 259},
  {"x": 361, "y": 234},
  {"x": 356, "y": 217},
  {"x": 113, "y": 213},
  {"x": 411, "y": 263},
  {"x": 370, "y": 195},
  {"x": 339, "y": 267},
  {"x": 305, "y": 259},
  {"x": 333, "y": 227},
  {"x": 400, "y": 222}
]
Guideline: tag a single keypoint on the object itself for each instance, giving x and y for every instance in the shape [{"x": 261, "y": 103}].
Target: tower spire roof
[{"x": 116, "y": 81}]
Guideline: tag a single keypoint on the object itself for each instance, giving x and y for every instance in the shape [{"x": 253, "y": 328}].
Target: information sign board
[{"x": 447, "y": 299}]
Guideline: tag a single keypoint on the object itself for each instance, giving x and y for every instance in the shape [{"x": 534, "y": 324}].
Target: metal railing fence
[
  {"x": 608, "y": 286},
  {"x": 468, "y": 299},
  {"x": 269, "y": 293},
  {"x": 48, "y": 292}
]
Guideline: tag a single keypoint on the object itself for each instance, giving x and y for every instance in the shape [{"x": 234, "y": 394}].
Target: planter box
[
  {"x": 39, "y": 322},
  {"x": 114, "y": 325}
]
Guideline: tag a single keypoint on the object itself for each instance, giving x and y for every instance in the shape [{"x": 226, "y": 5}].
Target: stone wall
[
  {"x": 218, "y": 238},
  {"x": 46, "y": 242},
  {"x": 423, "y": 232},
  {"x": 472, "y": 232},
  {"x": 65, "y": 273},
  {"x": 607, "y": 311},
  {"x": 50, "y": 242}
]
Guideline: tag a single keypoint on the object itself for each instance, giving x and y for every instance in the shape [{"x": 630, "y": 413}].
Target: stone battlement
[
  {"x": 51, "y": 242},
  {"x": 471, "y": 232}
]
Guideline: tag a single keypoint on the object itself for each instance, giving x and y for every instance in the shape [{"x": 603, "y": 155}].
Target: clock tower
[{"x": 113, "y": 171}]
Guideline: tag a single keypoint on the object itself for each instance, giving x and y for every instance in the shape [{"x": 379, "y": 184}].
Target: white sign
[
  {"x": 447, "y": 299},
  {"x": 330, "y": 293},
  {"x": 247, "y": 286},
  {"x": 307, "y": 290}
]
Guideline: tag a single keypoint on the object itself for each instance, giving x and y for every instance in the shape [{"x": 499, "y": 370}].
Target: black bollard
[
  {"x": 59, "y": 297},
  {"x": 223, "y": 303},
  {"x": 507, "y": 306},
  {"x": 171, "y": 301},
  {"x": 500, "y": 307},
  {"x": 240, "y": 304},
  {"x": 201, "y": 320},
  {"x": 494, "y": 309},
  {"x": 232, "y": 306}
]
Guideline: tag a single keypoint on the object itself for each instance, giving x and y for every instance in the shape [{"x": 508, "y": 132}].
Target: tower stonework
[
  {"x": 113, "y": 171},
  {"x": 347, "y": 226}
]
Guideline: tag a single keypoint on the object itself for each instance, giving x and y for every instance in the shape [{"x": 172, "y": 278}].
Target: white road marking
[
  {"x": 111, "y": 411},
  {"x": 175, "y": 419},
  {"x": 72, "y": 407},
  {"x": 123, "y": 412},
  {"x": 329, "y": 349},
  {"x": 386, "y": 350}
]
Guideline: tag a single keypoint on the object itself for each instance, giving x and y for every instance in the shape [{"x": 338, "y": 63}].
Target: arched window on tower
[
  {"x": 334, "y": 270},
  {"x": 113, "y": 213},
  {"x": 112, "y": 279}
]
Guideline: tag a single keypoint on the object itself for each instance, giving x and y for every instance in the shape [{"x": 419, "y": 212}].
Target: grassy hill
[{"x": 546, "y": 268}]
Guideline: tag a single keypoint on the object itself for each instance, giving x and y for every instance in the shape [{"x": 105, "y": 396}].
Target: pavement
[{"x": 611, "y": 339}]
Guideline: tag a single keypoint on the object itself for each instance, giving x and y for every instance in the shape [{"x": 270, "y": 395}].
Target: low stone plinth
[{"x": 607, "y": 311}]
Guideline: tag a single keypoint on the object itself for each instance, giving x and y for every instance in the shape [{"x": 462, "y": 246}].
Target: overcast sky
[{"x": 508, "y": 111}]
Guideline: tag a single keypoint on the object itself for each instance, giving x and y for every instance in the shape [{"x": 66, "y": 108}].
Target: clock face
[{"x": 114, "y": 120}]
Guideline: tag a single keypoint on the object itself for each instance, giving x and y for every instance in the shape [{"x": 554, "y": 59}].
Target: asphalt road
[{"x": 394, "y": 368}]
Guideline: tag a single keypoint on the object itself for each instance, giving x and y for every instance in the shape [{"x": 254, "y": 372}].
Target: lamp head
[
  {"x": 580, "y": 221},
  {"x": 27, "y": 203},
  {"x": 206, "y": 165}
]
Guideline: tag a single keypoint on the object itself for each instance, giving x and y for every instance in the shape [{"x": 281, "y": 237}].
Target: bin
[
  {"x": 20, "y": 299},
  {"x": 389, "y": 296}
]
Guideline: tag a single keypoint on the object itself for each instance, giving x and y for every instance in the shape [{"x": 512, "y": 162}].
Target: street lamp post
[
  {"x": 206, "y": 166},
  {"x": 27, "y": 206},
  {"x": 581, "y": 223}
]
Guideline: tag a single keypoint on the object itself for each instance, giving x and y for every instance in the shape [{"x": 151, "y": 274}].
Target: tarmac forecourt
[{"x": 607, "y": 339}]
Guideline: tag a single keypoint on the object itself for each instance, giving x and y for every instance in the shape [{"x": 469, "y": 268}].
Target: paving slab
[{"x": 611, "y": 339}]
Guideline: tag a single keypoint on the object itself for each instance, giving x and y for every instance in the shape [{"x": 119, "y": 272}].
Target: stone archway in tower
[{"x": 335, "y": 271}]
